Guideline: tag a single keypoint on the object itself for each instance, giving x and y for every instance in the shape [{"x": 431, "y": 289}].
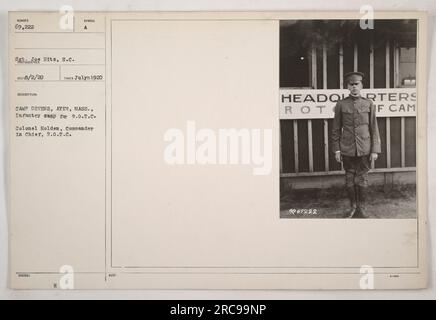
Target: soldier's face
[{"x": 355, "y": 87}]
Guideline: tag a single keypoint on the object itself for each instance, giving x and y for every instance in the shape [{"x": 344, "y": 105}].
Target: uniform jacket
[{"x": 355, "y": 130}]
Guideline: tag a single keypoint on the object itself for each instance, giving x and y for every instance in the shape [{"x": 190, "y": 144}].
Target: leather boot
[
  {"x": 356, "y": 189},
  {"x": 353, "y": 205},
  {"x": 361, "y": 204}
]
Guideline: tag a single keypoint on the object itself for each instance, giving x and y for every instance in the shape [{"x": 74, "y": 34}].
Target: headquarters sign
[{"x": 319, "y": 104}]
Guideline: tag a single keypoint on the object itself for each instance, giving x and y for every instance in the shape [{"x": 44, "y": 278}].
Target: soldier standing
[{"x": 355, "y": 142}]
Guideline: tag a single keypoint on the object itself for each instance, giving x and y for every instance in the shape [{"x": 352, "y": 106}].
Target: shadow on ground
[{"x": 397, "y": 203}]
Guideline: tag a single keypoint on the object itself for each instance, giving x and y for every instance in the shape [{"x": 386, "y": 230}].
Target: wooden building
[{"x": 316, "y": 55}]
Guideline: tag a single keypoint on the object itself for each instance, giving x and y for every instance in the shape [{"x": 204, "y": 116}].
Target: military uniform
[
  {"x": 355, "y": 134},
  {"x": 355, "y": 131}
]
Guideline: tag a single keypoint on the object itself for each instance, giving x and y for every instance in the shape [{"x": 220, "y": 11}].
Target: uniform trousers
[{"x": 356, "y": 170}]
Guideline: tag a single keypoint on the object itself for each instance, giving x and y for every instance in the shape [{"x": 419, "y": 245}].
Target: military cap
[{"x": 354, "y": 76}]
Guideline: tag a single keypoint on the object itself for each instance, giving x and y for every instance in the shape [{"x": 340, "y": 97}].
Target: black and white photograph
[{"x": 348, "y": 108}]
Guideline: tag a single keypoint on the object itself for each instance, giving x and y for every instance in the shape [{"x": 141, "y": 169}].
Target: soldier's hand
[
  {"x": 373, "y": 157},
  {"x": 338, "y": 156}
]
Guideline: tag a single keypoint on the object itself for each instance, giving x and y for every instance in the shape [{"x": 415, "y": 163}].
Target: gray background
[{"x": 211, "y": 5}]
